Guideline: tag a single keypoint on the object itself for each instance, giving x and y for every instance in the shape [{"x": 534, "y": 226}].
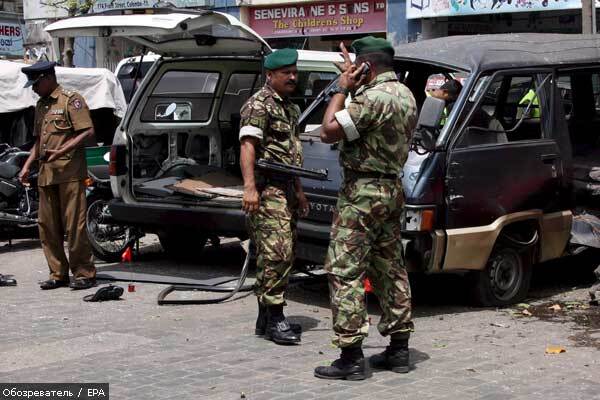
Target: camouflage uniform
[
  {"x": 273, "y": 120},
  {"x": 365, "y": 237}
]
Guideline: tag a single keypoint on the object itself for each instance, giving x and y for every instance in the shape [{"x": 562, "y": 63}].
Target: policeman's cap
[
  {"x": 281, "y": 58},
  {"x": 38, "y": 70},
  {"x": 371, "y": 44}
]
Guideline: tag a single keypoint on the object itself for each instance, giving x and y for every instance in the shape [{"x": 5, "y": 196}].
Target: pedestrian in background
[
  {"x": 61, "y": 127},
  {"x": 374, "y": 132}
]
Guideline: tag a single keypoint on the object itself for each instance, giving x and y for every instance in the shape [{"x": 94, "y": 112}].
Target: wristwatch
[{"x": 338, "y": 89}]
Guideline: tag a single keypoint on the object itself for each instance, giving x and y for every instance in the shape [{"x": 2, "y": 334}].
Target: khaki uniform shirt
[
  {"x": 378, "y": 124},
  {"x": 274, "y": 121},
  {"x": 58, "y": 118}
]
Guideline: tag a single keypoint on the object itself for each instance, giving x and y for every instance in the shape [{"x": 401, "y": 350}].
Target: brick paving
[{"x": 146, "y": 351}]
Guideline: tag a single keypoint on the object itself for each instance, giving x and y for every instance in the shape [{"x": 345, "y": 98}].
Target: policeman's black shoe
[
  {"x": 53, "y": 284},
  {"x": 351, "y": 366},
  {"x": 278, "y": 328},
  {"x": 79, "y": 284},
  {"x": 395, "y": 357},
  {"x": 261, "y": 322}
]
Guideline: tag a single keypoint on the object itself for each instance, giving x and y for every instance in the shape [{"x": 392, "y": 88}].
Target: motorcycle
[
  {"x": 19, "y": 207},
  {"x": 18, "y": 202}
]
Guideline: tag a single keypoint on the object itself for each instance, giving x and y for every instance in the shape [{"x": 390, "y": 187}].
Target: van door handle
[{"x": 549, "y": 158}]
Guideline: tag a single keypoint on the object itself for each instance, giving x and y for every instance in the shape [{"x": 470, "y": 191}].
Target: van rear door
[{"x": 168, "y": 32}]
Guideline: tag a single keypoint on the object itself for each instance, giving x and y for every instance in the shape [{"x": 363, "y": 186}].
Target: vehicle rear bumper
[{"x": 150, "y": 217}]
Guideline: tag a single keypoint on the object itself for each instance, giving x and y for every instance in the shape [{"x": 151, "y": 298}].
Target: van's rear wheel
[
  {"x": 182, "y": 245},
  {"x": 505, "y": 279}
]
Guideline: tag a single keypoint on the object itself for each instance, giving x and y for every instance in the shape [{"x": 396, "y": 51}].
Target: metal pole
[{"x": 588, "y": 16}]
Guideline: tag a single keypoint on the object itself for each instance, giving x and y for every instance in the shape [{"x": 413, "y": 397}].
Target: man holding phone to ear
[{"x": 374, "y": 132}]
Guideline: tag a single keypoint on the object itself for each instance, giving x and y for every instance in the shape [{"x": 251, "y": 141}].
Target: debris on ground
[
  {"x": 499, "y": 325},
  {"x": 555, "y": 349},
  {"x": 585, "y": 317}
]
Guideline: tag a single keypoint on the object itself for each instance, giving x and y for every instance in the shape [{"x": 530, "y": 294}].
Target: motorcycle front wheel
[{"x": 108, "y": 240}]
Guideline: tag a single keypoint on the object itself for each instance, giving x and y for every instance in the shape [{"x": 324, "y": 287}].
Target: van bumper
[{"x": 153, "y": 218}]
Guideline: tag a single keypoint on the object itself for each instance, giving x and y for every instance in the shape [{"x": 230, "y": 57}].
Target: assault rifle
[{"x": 280, "y": 169}]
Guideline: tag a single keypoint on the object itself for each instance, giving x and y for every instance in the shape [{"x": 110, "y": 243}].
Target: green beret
[
  {"x": 371, "y": 44},
  {"x": 281, "y": 58}
]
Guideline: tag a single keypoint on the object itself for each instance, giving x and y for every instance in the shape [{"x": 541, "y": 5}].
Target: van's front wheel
[{"x": 505, "y": 279}]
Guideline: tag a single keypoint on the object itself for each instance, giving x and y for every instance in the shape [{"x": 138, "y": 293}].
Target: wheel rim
[
  {"x": 109, "y": 237},
  {"x": 506, "y": 274}
]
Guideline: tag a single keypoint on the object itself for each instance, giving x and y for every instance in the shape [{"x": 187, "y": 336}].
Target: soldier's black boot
[
  {"x": 350, "y": 366},
  {"x": 278, "y": 328},
  {"x": 261, "y": 322},
  {"x": 395, "y": 357}
]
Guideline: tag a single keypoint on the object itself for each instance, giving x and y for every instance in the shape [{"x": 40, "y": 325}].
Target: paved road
[{"x": 191, "y": 352}]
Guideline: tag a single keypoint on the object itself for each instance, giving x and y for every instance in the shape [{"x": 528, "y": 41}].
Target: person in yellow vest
[{"x": 530, "y": 98}]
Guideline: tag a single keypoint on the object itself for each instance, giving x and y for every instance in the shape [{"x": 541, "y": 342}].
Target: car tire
[
  {"x": 505, "y": 279},
  {"x": 182, "y": 245},
  {"x": 108, "y": 241}
]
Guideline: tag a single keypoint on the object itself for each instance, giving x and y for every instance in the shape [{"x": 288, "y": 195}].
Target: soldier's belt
[{"x": 351, "y": 174}]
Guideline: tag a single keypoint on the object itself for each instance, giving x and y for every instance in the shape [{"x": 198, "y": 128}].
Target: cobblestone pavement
[{"x": 146, "y": 351}]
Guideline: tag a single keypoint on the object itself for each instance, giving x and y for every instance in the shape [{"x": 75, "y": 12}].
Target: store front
[
  {"x": 11, "y": 36},
  {"x": 451, "y": 17},
  {"x": 319, "y": 25}
]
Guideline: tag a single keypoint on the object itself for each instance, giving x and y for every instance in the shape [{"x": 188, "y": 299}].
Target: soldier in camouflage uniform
[
  {"x": 269, "y": 131},
  {"x": 374, "y": 131}
]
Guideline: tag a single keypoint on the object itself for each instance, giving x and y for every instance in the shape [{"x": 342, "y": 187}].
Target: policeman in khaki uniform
[
  {"x": 62, "y": 125},
  {"x": 268, "y": 130},
  {"x": 374, "y": 132}
]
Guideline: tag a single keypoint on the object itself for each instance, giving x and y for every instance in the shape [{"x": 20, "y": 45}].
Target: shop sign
[
  {"x": 319, "y": 19},
  {"x": 104, "y": 5},
  {"x": 448, "y": 8},
  {"x": 11, "y": 38}
]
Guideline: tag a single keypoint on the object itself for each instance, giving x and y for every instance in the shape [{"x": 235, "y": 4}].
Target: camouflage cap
[
  {"x": 281, "y": 58},
  {"x": 371, "y": 44}
]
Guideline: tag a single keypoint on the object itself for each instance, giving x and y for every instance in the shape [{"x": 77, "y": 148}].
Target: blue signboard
[
  {"x": 11, "y": 38},
  {"x": 449, "y": 8}
]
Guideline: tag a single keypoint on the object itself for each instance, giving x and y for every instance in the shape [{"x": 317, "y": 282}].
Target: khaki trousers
[{"x": 62, "y": 210}]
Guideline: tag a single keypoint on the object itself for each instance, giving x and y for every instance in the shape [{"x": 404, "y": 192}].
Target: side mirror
[{"x": 431, "y": 113}]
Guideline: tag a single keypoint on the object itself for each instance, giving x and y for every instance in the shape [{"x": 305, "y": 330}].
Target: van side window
[
  {"x": 239, "y": 88},
  {"x": 310, "y": 84},
  {"x": 511, "y": 110},
  {"x": 580, "y": 95},
  {"x": 192, "y": 92}
]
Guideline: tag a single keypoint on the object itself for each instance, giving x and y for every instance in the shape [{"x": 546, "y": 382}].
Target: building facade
[
  {"x": 462, "y": 17},
  {"x": 12, "y": 29},
  {"x": 321, "y": 25}
]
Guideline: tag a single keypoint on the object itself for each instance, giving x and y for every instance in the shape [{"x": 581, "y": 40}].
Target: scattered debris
[
  {"x": 585, "y": 317},
  {"x": 523, "y": 305},
  {"x": 499, "y": 325},
  {"x": 471, "y": 370},
  {"x": 439, "y": 345},
  {"x": 555, "y": 349}
]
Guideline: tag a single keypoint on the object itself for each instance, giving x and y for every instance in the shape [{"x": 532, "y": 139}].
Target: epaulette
[
  {"x": 67, "y": 92},
  {"x": 260, "y": 95}
]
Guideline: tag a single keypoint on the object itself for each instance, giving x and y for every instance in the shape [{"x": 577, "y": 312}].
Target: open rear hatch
[{"x": 168, "y": 32}]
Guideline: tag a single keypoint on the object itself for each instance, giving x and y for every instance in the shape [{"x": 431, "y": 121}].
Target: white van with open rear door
[{"x": 175, "y": 157}]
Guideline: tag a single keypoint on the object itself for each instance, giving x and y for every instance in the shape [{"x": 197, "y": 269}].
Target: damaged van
[
  {"x": 499, "y": 186},
  {"x": 175, "y": 157}
]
